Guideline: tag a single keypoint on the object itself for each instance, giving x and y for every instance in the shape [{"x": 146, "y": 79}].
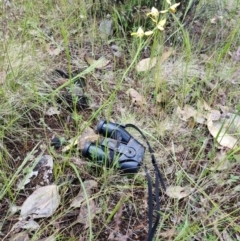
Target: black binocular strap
[{"x": 159, "y": 179}]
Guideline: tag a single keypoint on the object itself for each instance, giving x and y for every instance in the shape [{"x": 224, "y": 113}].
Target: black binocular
[{"x": 117, "y": 146}]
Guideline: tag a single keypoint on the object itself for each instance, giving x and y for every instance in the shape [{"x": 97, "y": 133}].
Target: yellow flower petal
[
  {"x": 148, "y": 33},
  {"x": 153, "y": 19},
  {"x": 161, "y": 24},
  {"x": 160, "y": 28},
  {"x": 173, "y": 7},
  {"x": 169, "y": 2},
  {"x": 154, "y": 12},
  {"x": 139, "y": 33},
  {"x": 164, "y": 11}
]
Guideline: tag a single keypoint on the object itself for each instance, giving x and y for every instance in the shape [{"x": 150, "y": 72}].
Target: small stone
[{"x": 106, "y": 28}]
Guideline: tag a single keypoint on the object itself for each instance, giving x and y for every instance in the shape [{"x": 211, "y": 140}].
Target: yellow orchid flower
[
  {"x": 173, "y": 7},
  {"x": 161, "y": 24},
  {"x": 154, "y": 12},
  {"x": 139, "y": 33}
]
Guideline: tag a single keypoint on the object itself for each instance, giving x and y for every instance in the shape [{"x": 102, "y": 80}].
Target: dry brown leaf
[
  {"x": 23, "y": 236},
  {"x": 101, "y": 63},
  {"x": 146, "y": 64},
  {"x": 85, "y": 216},
  {"x": 169, "y": 233},
  {"x": 188, "y": 111},
  {"x": 203, "y": 105},
  {"x": 53, "y": 51},
  {"x": 88, "y": 135},
  {"x": 218, "y": 132},
  {"x": 43, "y": 202},
  {"x": 214, "y": 115},
  {"x": 88, "y": 185},
  {"x": 178, "y": 192},
  {"x": 166, "y": 54},
  {"x": 220, "y": 129},
  {"x": 137, "y": 99},
  {"x": 3, "y": 76},
  {"x": 149, "y": 63}
]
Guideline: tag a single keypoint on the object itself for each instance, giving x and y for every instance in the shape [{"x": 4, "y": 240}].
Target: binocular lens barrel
[
  {"x": 113, "y": 131},
  {"x": 95, "y": 153}
]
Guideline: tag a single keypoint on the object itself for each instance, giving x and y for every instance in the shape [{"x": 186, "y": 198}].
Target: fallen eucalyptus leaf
[
  {"x": 43, "y": 202},
  {"x": 188, "y": 111},
  {"x": 219, "y": 130},
  {"x": 169, "y": 233},
  {"x": 149, "y": 63},
  {"x": 146, "y": 64},
  {"x": 178, "y": 191},
  {"x": 98, "y": 64},
  {"x": 85, "y": 215},
  {"x": 23, "y": 236},
  {"x": 137, "y": 99},
  {"x": 88, "y": 135},
  {"x": 214, "y": 115},
  {"x": 88, "y": 185}
]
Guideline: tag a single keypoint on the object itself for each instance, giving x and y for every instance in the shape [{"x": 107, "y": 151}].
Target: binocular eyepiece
[{"x": 118, "y": 146}]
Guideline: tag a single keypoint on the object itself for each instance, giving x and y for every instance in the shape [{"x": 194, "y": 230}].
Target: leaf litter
[
  {"x": 101, "y": 63},
  {"x": 44, "y": 166},
  {"x": 88, "y": 135},
  {"x": 25, "y": 224},
  {"x": 43, "y": 202},
  {"x": 23, "y": 236},
  {"x": 178, "y": 192},
  {"x": 149, "y": 63},
  {"x": 137, "y": 99},
  {"x": 224, "y": 127},
  {"x": 81, "y": 197},
  {"x": 86, "y": 215}
]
